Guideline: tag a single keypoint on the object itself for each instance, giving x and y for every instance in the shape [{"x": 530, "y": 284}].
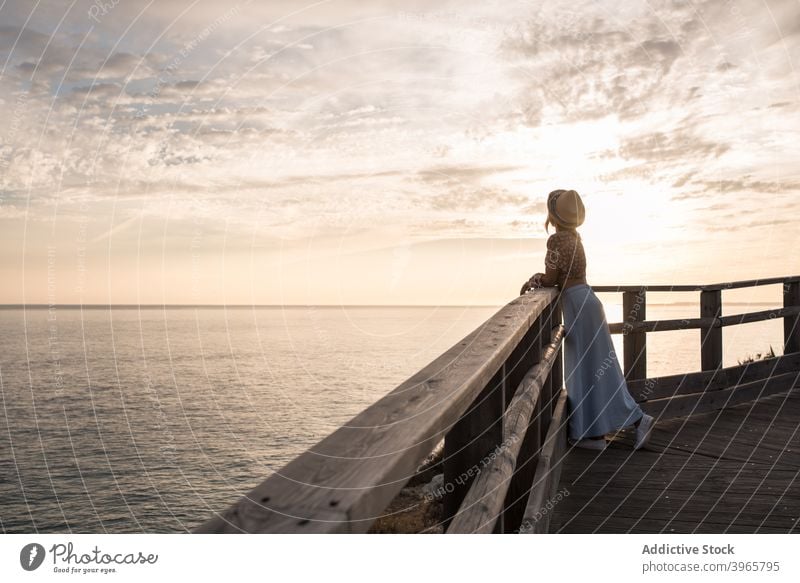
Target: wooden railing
[
  {"x": 711, "y": 321},
  {"x": 497, "y": 400},
  {"x": 714, "y": 387}
]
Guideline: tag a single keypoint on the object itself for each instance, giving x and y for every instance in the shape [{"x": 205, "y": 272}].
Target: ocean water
[{"x": 148, "y": 420}]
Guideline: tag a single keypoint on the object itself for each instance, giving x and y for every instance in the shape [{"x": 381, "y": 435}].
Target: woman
[{"x": 597, "y": 394}]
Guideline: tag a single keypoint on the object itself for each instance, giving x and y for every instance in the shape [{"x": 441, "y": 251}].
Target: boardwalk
[{"x": 736, "y": 470}]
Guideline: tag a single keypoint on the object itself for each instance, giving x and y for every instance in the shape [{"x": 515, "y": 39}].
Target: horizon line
[{"x": 41, "y": 306}]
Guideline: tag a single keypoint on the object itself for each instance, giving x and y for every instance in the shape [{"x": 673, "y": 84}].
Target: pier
[{"x": 723, "y": 456}]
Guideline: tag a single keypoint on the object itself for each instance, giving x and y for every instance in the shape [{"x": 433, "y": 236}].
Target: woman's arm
[
  {"x": 552, "y": 261},
  {"x": 550, "y": 277},
  {"x": 547, "y": 279},
  {"x": 552, "y": 270}
]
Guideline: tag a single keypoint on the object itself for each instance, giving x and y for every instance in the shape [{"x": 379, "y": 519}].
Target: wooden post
[
  {"x": 791, "y": 324},
  {"x": 470, "y": 441},
  {"x": 634, "y": 342},
  {"x": 710, "y": 337}
]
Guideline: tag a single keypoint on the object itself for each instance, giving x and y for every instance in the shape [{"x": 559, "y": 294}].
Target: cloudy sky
[{"x": 389, "y": 152}]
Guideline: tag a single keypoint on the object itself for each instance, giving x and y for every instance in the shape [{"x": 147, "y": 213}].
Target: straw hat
[{"x": 565, "y": 208}]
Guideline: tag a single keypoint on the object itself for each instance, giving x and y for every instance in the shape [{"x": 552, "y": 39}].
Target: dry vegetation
[
  {"x": 758, "y": 356},
  {"x": 415, "y": 509}
]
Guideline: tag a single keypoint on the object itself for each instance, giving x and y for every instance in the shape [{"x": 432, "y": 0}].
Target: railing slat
[
  {"x": 483, "y": 504},
  {"x": 548, "y": 471},
  {"x": 693, "y": 323},
  {"x": 520, "y": 485},
  {"x": 697, "y": 288},
  {"x": 695, "y": 404},
  {"x": 750, "y": 317},
  {"x": 662, "y": 325},
  {"x": 723, "y": 378}
]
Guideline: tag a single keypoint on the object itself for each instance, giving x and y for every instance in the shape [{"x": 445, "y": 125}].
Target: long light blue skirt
[{"x": 597, "y": 393}]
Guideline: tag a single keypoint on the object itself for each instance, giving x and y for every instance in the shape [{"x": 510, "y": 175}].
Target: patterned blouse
[{"x": 565, "y": 253}]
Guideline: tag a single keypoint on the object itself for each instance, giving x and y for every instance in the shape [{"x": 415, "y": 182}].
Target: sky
[{"x": 345, "y": 152}]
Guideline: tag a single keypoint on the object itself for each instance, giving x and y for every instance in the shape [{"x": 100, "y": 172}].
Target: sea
[{"x": 150, "y": 419}]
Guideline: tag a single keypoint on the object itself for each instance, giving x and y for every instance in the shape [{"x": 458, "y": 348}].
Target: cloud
[
  {"x": 20, "y": 39},
  {"x": 748, "y": 185},
  {"x": 120, "y": 65},
  {"x": 470, "y": 198},
  {"x": 104, "y": 90},
  {"x": 118, "y": 228},
  {"x": 725, "y": 226},
  {"x": 588, "y": 68},
  {"x": 375, "y": 119},
  {"x": 461, "y": 174},
  {"x": 664, "y": 147}
]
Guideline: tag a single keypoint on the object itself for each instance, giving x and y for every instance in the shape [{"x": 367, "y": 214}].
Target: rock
[{"x": 435, "y": 487}]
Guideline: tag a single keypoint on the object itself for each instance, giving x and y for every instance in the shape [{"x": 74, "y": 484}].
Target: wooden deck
[{"x": 735, "y": 470}]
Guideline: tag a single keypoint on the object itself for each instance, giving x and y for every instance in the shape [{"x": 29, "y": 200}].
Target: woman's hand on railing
[{"x": 534, "y": 282}]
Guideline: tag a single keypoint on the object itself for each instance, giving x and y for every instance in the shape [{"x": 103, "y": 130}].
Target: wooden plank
[
  {"x": 572, "y": 519},
  {"x": 634, "y": 309},
  {"x": 695, "y": 404},
  {"x": 343, "y": 483},
  {"x": 616, "y": 470},
  {"x": 483, "y": 504},
  {"x": 696, "y": 288},
  {"x": 750, "y": 317},
  {"x": 522, "y": 478},
  {"x": 648, "y": 287},
  {"x": 791, "y": 326},
  {"x": 525, "y": 472},
  {"x": 558, "y": 366},
  {"x": 634, "y": 525},
  {"x": 710, "y": 336},
  {"x": 548, "y": 471},
  {"x": 701, "y": 490},
  {"x": 514, "y": 506},
  {"x": 527, "y": 460},
  {"x": 651, "y": 501},
  {"x": 696, "y": 382},
  {"x": 679, "y": 483},
  {"x": 663, "y": 325},
  {"x": 750, "y": 283},
  {"x": 693, "y": 323}
]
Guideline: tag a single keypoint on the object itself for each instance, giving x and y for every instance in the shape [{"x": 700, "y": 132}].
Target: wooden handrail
[
  {"x": 696, "y": 288},
  {"x": 343, "y": 483},
  {"x": 548, "y": 471},
  {"x": 661, "y": 325},
  {"x": 694, "y": 323}
]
